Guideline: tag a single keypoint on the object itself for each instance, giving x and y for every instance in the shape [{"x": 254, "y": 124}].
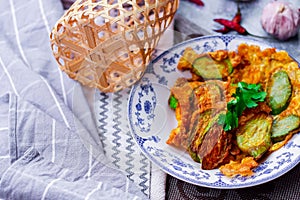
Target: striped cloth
[{"x": 49, "y": 142}]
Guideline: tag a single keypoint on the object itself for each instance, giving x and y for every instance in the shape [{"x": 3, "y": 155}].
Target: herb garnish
[
  {"x": 173, "y": 102},
  {"x": 246, "y": 96}
]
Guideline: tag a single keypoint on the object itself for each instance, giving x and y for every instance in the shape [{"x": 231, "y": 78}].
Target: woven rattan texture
[{"x": 108, "y": 44}]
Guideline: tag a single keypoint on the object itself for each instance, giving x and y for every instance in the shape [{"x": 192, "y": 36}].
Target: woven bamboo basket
[{"x": 108, "y": 44}]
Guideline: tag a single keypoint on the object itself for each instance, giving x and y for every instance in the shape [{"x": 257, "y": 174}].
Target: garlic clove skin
[{"x": 280, "y": 19}]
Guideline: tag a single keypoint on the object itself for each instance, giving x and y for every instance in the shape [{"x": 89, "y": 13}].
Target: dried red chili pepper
[
  {"x": 237, "y": 19},
  {"x": 237, "y": 27},
  {"x": 232, "y": 25},
  {"x": 198, "y": 2}
]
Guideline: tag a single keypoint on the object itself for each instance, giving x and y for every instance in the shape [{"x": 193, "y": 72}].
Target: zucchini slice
[
  {"x": 202, "y": 122},
  {"x": 207, "y": 68},
  {"x": 284, "y": 126},
  {"x": 198, "y": 130},
  {"x": 279, "y": 91},
  {"x": 211, "y": 91},
  {"x": 215, "y": 146},
  {"x": 215, "y": 91},
  {"x": 229, "y": 66},
  {"x": 194, "y": 155},
  {"x": 254, "y": 137}
]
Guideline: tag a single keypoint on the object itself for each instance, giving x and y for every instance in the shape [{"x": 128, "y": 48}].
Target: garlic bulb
[{"x": 280, "y": 19}]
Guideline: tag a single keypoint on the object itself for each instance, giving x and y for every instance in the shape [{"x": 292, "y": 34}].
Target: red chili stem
[
  {"x": 258, "y": 36},
  {"x": 238, "y": 16},
  {"x": 198, "y": 2}
]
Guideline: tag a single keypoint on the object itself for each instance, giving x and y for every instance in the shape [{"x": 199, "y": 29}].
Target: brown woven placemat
[{"x": 285, "y": 187}]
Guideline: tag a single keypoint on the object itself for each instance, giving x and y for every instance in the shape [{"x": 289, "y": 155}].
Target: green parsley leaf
[
  {"x": 173, "y": 102},
  {"x": 246, "y": 96}
]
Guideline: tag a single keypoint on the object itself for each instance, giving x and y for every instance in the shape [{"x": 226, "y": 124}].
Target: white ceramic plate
[{"x": 151, "y": 120}]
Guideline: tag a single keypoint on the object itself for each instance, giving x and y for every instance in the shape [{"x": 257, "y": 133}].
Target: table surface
[
  {"x": 46, "y": 112},
  {"x": 193, "y": 21}
]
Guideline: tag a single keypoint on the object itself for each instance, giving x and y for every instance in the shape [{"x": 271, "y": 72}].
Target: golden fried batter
[{"x": 197, "y": 96}]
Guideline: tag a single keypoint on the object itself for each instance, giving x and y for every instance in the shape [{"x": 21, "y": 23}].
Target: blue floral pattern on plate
[{"x": 151, "y": 120}]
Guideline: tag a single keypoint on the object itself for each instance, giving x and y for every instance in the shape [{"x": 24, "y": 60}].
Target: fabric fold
[
  {"x": 65, "y": 161},
  {"x": 32, "y": 172},
  {"x": 47, "y": 111}
]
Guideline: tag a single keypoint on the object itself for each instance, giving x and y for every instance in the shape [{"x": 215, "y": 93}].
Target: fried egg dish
[{"x": 236, "y": 108}]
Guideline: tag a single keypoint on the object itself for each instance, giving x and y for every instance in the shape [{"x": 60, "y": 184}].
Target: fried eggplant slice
[
  {"x": 282, "y": 127},
  {"x": 254, "y": 137},
  {"x": 279, "y": 91}
]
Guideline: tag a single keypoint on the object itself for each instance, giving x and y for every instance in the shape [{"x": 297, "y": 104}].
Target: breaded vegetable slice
[
  {"x": 208, "y": 68},
  {"x": 279, "y": 91},
  {"x": 199, "y": 128},
  {"x": 284, "y": 126},
  {"x": 215, "y": 145},
  {"x": 254, "y": 137}
]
